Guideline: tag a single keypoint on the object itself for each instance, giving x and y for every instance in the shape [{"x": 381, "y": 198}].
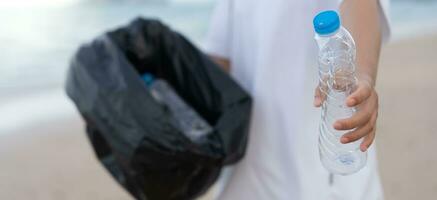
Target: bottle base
[{"x": 344, "y": 163}]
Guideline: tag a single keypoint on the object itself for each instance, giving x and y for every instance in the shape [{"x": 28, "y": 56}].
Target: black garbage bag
[{"x": 132, "y": 134}]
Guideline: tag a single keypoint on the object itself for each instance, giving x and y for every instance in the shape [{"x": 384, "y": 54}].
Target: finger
[
  {"x": 360, "y": 132},
  {"x": 368, "y": 140},
  {"x": 356, "y": 134},
  {"x": 360, "y": 118},
  {"x": 319, "y": 97},
  {"x": 363, "y": 92}
]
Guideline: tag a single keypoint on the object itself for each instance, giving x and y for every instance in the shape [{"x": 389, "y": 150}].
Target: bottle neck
[
  {"x": 322, "y": 39},
  {"x": 329, "y": 34}
]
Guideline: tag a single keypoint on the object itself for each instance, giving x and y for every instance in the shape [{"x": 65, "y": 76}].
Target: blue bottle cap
[
  {"x": 326, "y": 22},
  {"x": 148, "y": 78}
]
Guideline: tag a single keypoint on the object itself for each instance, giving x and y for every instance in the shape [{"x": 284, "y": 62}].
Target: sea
[{"x": 39, "y": 37}]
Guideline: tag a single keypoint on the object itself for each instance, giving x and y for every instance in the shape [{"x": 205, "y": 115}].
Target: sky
[
  {"x": 60, "y": 3},
  {"x": 35, "y": 3}
]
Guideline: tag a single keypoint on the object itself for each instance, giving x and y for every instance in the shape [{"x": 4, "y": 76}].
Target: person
[{"x": 268, "y": 46}]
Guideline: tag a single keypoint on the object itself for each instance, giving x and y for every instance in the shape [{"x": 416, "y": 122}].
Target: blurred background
[{"x": 44, "y": 153}]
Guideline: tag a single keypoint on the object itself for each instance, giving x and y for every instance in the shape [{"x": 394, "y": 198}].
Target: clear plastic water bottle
[
  {"x": 337, "y": 81},
  {"x": 183, "y": 116}
]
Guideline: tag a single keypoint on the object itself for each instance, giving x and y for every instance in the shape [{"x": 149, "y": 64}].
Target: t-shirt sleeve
[
  {"x": 217, "y": 42},
  {"x": 384, "y": 19}
]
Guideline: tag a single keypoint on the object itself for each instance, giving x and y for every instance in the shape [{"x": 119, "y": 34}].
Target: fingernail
[
  {"x": 351, "y": 102},
  {"x": 337, "y": 125},
  {"x": 363, "y": 148},
  {"x": 344, "y": 140}
]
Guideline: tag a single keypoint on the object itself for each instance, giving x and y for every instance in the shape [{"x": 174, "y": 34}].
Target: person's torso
[{"x": 274, "y": 57}]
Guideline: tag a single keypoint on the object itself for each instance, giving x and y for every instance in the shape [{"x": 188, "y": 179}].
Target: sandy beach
[
  {"x": 54, "y": 161},
  {"x": 407, "y": 122}
]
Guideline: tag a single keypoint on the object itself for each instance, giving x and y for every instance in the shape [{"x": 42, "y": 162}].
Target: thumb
[{"x": 363, "y": 92}]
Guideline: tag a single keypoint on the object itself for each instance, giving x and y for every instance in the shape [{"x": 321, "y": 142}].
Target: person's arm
[
  {"x": 222, "y": 62},
  {"x": 361, "y": 19}
]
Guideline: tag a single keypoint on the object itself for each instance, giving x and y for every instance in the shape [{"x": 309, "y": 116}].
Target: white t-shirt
[{"x": 274, "y": 57}]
